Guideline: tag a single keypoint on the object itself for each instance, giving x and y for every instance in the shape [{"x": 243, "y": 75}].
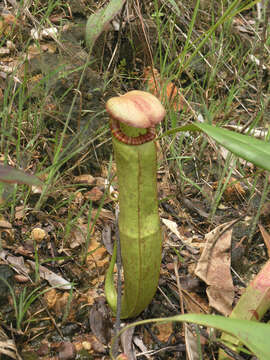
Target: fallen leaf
[
  {"x": 163, "y": 89},
  {"x": 139, "y": 343},
  {"x": 5, "y": 224},
  {"x": 107, "y": 238},
  {"x": 86, "y": 179},
  {"x": 191, "y": 344},
  {"x": 126, "y": 342},
  {"x": 98, "y": 255},
  {"x": 50, "y": 298},
  {"x": 67, "y": 351},
  {"x": 48, "y": 33},
  {"x": 214, "y": 268},
  {"x": 100, "y": 320},
  {"x": 164, "y": 331},
  {"x": 17, "y": 262},
  {"x": 21, "y": 279},
  {"x": 172, "y": 226},
  {"x": 50, "y": 48},
  {"x": 233, "y": 189},
  {"x": 94, "y": 194},
  {"x": 19, "y": 212},
  {"x": 78, "y": 236}
]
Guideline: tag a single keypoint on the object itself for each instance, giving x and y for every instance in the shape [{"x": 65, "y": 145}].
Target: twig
[
  {"x": 118, "y": 44},
  {"x": 119, "y": 287},
  {"x": 148, "y": 47},
  {"x": 175, "y": 263}
]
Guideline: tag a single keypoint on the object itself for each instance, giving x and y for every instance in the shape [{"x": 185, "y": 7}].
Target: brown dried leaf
[
  {"x": 17, "y": 262},
  {"x": 214, "y": 268},
  {"x": 51, "y": 297},
  {"x": 164, "y": 331},
  {"x": 100, "y": 322},
  {"x": 50, "y": 48},
  {"x": 195, "y": 303},
  {"x": 86, "y": 179},
  {"x": 21, "y": 279},
  {"x": 98, "y": 255},
  {"x": 67, "y": 351},
  {"x": 19, "y": 212},
  {"x": 191, "y": 344},
  {"x": 107, "y": 238},
  {"x": 78, "y": 236},
  {"x": 94, "y": 194},
  {"x": 126, "y": 342},
  {"x": 233, "y": 189},
  {"x": 5, "y": 224},
  {"x": 163, "y": 89}
]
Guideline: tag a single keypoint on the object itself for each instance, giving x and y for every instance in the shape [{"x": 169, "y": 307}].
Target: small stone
[
  {"x": 43, "y": 350},
  {"x": 67, "y": 351},
  {"x": 21, "y": 278}
]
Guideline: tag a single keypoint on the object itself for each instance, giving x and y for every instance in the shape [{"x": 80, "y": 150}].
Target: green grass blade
[
  {"x": 244, "y": 146},
  {"x": 247, "y": 147},
  {"x": 252, "y": 334}
]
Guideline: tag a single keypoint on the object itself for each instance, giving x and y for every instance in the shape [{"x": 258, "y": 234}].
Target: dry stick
[
  {"x": 175, "y": 263},
  {"x": 118, "y": 44},
  {"x": 261, "y": 50},
  {"x": 119, "y": 287},
  {"x": 147, "y": 43},
  {"x": 186, "y": 327},
  {"x": 16, "y": 350},
  {"x": 234, "y": 355}
]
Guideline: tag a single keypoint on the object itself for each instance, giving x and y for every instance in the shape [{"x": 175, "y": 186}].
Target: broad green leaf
[
  {"x": 13, "y": 176},
  {"x": 247, "y": 147},
  {"x": 254, "y": 335},
  {"x": 97, "y": 22}
]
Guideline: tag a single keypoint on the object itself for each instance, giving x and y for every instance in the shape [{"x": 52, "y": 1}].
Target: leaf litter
[{"x": 187, "y": 230}]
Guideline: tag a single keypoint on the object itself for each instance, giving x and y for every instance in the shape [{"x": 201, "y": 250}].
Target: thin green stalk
[{"x": 68, "y": 305}]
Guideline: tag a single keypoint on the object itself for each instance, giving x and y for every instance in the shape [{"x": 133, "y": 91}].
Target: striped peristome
[{"x": 129, "y": 140}]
